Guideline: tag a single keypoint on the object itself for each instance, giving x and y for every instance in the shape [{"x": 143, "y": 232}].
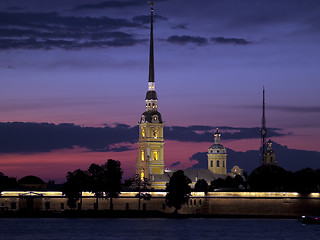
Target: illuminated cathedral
[{"x": 150, "y": 160}]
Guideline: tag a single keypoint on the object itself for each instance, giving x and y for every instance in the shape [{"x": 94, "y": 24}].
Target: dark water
[{"x": 55, "y": 228}]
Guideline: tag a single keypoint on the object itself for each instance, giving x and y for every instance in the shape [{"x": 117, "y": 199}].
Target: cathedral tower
[
  {"x": 150, "y": 159},
  {"x": 217, "y": 156},
  {"x": 263, "y": 129},
  {"x": 269, "y": 156}
]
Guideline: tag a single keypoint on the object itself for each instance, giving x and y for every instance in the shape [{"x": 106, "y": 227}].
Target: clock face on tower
[{"x": 155, "y": 118}]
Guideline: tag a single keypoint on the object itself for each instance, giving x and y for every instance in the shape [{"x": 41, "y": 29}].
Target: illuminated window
[
  {"x": 143, "y": 132},
  {"x": 142, "y": 175},
  {"x": 142, "y": 155},
  {"x": 155, "y": 155},
  {"x": 218, "y": 163},
  {"x": 155, "y": 133}
]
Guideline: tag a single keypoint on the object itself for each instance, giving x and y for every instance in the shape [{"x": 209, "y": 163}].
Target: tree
[
  {"x": 305, "y": 181},
  {"x": 74, "y": 186},
  {"x": 113, "y": 178},
  {"x": 217, "y": 183},
  {"x": 238, "y": 181},
  {"x": 268, "y": 178},
  {"x": 201, "y": 186},
  {"x": 140, "y": 185},
  {"x": 178, "y": 190},
  {"x": 229, "y": 182},
  {"x": 96, "y": 183},
  {"x": 2, "y": 182}
]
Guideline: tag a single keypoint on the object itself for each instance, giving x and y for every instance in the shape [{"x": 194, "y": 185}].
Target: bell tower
[
  {"x": 269, "y": 156},
  {"x": 150, "y": 158},
  {"x": 217, "y": 156}
]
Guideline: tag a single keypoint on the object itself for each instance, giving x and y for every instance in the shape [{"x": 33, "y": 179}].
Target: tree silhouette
[
  {"x": 2, "y": 182},
  {"x": 238, "y": 180},
  {"x": 305, "y": 181},
  {"x": 201, "y": 186},
  {"x": 216, "y": 184},
  {"x": 268, "y": 178},
  {"x": 113, "y": 178},
  {"x": 178, "y": 190},
  {"x": 140, "y": 185},
  {"x": 74, "y": 186},
  {"x": 96, "y": 174}
]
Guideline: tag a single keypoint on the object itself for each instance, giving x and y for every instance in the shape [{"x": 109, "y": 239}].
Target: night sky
[{"x": 85, "y": 62}]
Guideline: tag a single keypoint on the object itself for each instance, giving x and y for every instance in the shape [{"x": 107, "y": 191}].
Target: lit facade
[
  {"x": 150, "y": 160},
  {"x": 217, "y": 156}
]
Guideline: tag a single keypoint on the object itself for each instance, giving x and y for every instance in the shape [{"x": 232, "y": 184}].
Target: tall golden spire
[{"x": 151, "y": 58}]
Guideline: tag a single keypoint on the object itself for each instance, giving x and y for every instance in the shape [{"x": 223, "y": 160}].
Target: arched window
[
  {"x": 142, "y": 175},
  {"x": 142, "y": 155},
  {"x": 155, "y": 133},
  {"x": 155, "y": 155},
  {"x": 143, "y": 132}
]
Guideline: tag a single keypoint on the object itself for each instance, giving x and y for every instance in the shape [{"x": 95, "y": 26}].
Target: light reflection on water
[{"x": 59, "y": 228}]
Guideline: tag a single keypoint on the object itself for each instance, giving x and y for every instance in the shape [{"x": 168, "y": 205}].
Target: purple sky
[{"x": 86, "y": 62}]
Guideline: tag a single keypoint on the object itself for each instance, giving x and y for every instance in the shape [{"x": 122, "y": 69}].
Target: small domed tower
[
  {"x": 269, "y": 156},
  {"x": 150, "y": 158},
  {"x": 217, "y": 156}
]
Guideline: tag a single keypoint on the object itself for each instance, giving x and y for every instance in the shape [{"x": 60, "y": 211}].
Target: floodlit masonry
[{"x": 284, "y": 204}]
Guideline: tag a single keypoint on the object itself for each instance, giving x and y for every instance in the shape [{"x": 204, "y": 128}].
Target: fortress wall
[{"x": 215, "y": 203}]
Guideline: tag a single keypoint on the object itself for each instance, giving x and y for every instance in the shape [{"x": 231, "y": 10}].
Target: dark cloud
[
  {"x": 116, "y": 149},
  {"x": 295, "y": 109},
  {"x": 53, "y": 21},
  {"x": 49, "y": 30},
  {"x": 223, "y": 40},
  {"x": 180, "y": 26},
  {"x": 114, "y": 4},
  {"x": 111, "y": 4},
  {"x": 306, "y": 109},
  {"x": 175, "y": 164},
  {"x": 182, "y": 40},
  {"x": 43, "y": 137},
  {"x": 290, "y": 159},
  {"x": 145, "y": 19},
  {"x": 15, "y": 8},
  {"x": 263, "y": 14},
  {"x": 205, "y": 133}
]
